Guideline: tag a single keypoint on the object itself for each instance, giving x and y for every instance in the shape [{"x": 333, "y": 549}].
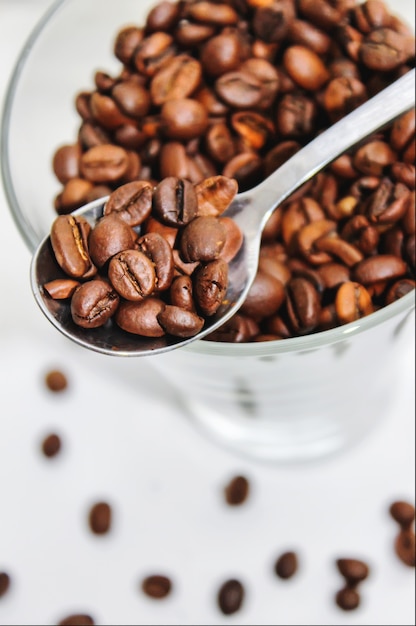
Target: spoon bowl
[{"x": 250, "y": 210}]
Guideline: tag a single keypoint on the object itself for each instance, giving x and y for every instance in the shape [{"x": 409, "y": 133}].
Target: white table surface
[{"x": 130, "y": 445}]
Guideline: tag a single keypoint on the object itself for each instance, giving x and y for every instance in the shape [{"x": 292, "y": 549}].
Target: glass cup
[{"x": 289, "y": 400}]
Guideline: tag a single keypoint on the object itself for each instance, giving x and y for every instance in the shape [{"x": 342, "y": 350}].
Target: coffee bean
[
  {"x": 100, "y": 518},
  {"x": 286, "y": 565},
  {"x": 403, "y": 512},
  {"x": 175, "y": 201},
  {"x": 61, "y": 288},
  {"x": 405, "y": 547},
  {"x": 158, "y": 250},
  {"x": 104, "y": 163},
  {"x": 131, "y": 202},
  {"x": 237, "y": 491},
  {"x": 69, "y": 239},
  {"x": 4, "y": 583},
  {"x": 157, "y": 586},
  {"x": 303, "y": 305},
  {"x": 183, "y": 119},
  {"x": 77, "y": 620},
  {"x": 239, "y": 89},
  {"x": 110, "y": 236},
  {"x": 353, "y": 570},
  {"x": 202, "y": 239},
  {"x": 210, "y": 286},
  {"x": 305, "y": 67},
  {"x": 51, "y": 445},
  {"x": 140, "y": 318},
  {"x": 66, "y": 162},
  {"x": 352, "y": 302},
  {"x": 231, "y": 596},
  {"x": 180, "y": 322},
  {"x": 265, "y": 297},
  {"x": 56, "y": 381},
  {"x": 132, "y": 275},
  {"x": 93, "y": 303},
  {"x": 348, "y": 599},
  {"x": 178, "y": 78}
]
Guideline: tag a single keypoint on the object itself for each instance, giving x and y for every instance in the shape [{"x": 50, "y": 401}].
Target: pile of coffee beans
[
  {"x": 165, "y": 278},
  {"x": 234, "y": 89},
  {"x": 354, "y": 572}
]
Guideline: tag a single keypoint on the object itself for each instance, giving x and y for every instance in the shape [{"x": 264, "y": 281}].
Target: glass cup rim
[{"x": 313, "y": 341}]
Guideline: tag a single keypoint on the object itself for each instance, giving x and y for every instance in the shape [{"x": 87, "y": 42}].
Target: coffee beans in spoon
[{"x": 151, "y": 264}]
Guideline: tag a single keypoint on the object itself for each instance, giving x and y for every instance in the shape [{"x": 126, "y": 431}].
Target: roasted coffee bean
[
  {"x": 126, "y": 43},
  {"x": 254, "y": 129},
  {"x": 157, "y": 586},
  {"x": 399, "y": 289},
  {"x": 219, "y": 142},
  {"x": 110, "y": 236},
  {"x": 51, "y": 445},
  {"x": 56, "y": 381},
  {"x": 65, "y": 162},
  {"x": 183, "y": 119},
  {"x": 333, "y": 274},
  {"x": 77, "y": 620},
  {"x": 104, "y": 163},
  {"x": 271, "y": 22},
  {"x": 286, "y": 565},
  {"x": 240, "y": 89},
  {"x": 140, "y": 318},
  {"x": 352, "y": 302},
  {"x": 163, "y": 16},
  {"x": 178, "y": 78},
  {"x": 295, "y": 116},
  {"x": 405, "y": 547},
  {"x": 131, "y": 202},
  {"x": 132, "y": 275},
  {"x": 402, "y": 130},
  {"x": 93, "y": 303},
  {"x": 403, "y": 513},
  {"x": 307, "y": 35},
  {"x": 132, "y": 99},
  {"x": 221, "y": 54},
  {"x": 202, "y": 239},
  {"x": 268, "y": 76},
  {"x": 175, "y": 201},
  {"x": 373, "y": 157},
  {"x": 265, "y": 297},
  {"x": 100, "y": 518},
  {"x": 106, "y": 112},
  {"x": 303, "y": 305},
  {"x": 188, "y": 34},
  {"x": 210, "y": 286},
  {"x": 380, "y": 267},
  {"x": 305, "y": 67},
  {"x": 246, "y": 168},
  {"x": 237, "y": 491},
  {"x": 215, "y": 194},
  {"x": 342, "y": 95},
  {"x": 348, "y": 599},
  {"x": 233, "y": 239},
  {"x": 231, "y": 596},
  {"x": 69, "y": 240},
  {"x": 158, "y": 250},
  {"x": 212, "y": 13},
  {"x": 61, "y": 288},
  {"x": 353, "y": 570},
  {"x": 180, "y": 322},
  {"x": 4, "y": 583},
  {"x": 181, "y": 293},
  {"x": 384, "y": 50},
  {"x": 152, "y": 52}
]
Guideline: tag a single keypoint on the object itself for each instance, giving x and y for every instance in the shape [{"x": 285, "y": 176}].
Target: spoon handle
[{"x": 383, "y": 108}]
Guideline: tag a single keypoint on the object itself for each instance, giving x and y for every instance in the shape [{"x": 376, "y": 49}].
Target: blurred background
[{"x": 125, "y": 440}]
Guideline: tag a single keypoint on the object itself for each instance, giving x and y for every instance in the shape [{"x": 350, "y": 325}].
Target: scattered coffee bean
[
  {"x": 51, "y": 445},
  {"x": 404, "y": 514},
  {"x": 4, "y": 583},
  {"x": 56, "y": 381},
  {"x": 347, "y": 599},
  {"x": 77, "y": 620},
  {"x": 157, "y": 586},
  {"x": 100, "y": 518},
  {"x": 286, "y": 565},
  {"x": 354, "y": 571},
  {"x": 237, "y": 491},
  {"x": 231, "y": 596}
]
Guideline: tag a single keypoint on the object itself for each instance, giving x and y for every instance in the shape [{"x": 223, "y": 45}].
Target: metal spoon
[{"x": 250, "y": 210}]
